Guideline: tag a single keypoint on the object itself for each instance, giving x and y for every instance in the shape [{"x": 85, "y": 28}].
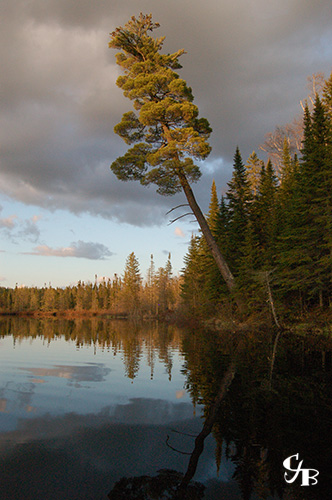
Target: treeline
[
  {"x": 127, "y": 295},
  {"x": 273, "y": 226}
]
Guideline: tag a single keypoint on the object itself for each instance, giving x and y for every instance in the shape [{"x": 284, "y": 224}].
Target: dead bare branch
[
  {"x": 178, "y": 206},
  {"x": 180, "y": 217},
  {"x": 184, "y": 433},
  {"x": 174, "y": 449}
]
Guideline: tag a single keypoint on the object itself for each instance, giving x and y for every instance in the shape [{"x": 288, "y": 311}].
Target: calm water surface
[{"x": 84, "y": 403}]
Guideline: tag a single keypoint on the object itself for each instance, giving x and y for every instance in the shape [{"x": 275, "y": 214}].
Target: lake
[{"x": 86, "y": 402}]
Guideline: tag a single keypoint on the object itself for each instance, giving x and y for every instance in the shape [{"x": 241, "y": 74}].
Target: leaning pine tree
[{"x": 165, "y": 130}]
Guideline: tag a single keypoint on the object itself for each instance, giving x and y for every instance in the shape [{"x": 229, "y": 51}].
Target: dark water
[{"x": 84, "y": 403}]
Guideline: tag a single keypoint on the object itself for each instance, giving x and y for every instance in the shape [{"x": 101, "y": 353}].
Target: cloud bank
[{"x": 247, "y": 63}]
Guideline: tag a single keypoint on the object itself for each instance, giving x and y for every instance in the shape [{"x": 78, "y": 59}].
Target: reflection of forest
[
  {"x": 275, "y": 407},
  {"x": 130, "y": 338},
  {"x": 266, "y": 417},
  {"x": 266, "y": 397}
]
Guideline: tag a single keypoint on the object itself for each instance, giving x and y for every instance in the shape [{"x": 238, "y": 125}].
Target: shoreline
[{"x": 64, "y": 314}]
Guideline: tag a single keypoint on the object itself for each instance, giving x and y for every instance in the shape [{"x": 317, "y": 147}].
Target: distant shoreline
[{"x": 64, "y": 314}]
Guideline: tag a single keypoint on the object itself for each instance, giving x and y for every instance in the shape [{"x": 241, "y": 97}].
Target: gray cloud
[
  {"x": 79, "y": 249},
  {"x": 247, "y": 63}
]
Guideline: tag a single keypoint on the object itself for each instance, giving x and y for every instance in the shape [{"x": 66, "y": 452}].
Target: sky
[{"x": 64, "y": 216}]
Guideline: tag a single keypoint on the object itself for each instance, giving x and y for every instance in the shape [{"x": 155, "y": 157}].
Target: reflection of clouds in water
[
  {"x": 22, "y": 392},
  {"x": 31, "y": 409},
  {"x": 152, "y": 411},
  {"x": 180, "y": 394},
  {"x": 95, "y": 450},
  {"x": 91, "y": 372},
  {"x": 17, "y": 396},
  {"x": 138, "y": 411}
]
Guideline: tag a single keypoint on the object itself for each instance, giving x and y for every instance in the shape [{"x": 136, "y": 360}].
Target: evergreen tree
[
  {"x": 167, "y": 131},
  {"x": 253, "y": 168},
  {"x": 168, "y": 267},
  {"x": 239, "y": 200},
  {"x": 286, "y": 163},
  {"x": 327, "y": 96},
  {"x": 193, "y": 279},
  {"x": 213, "y": 215},
  {"x": 131, "y": 285},
  {"x": 163, "y": 280},
  {"x": 318, "y": 195},
  {"x": 49, "y": 299},
  {"x": 304, "y": 243},
  {"x": 289, "y": 177},
  {"x": 116, "y": 291},
  {"x": 103, "y": 295},
  {"x": 150, "y": 287},
  {"x": 34, "y": 299},
  {"x": 79, "y": 303},
  {"x": 267, "y": 215},
  {"x": 222, "y": 230},
  {"x": 94, "y": 298},
  {"x": 258, "y": 247},
  {"x": 293, "y": 259},
  {"x": 213, "y": 287}
]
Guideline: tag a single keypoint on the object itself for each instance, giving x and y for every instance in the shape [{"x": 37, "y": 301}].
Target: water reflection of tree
[
  {"x": 133, "y": 339},
  {"x": 262, "y": 421}
]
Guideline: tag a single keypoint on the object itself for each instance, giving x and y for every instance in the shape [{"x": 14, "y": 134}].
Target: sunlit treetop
[{"x": 165, "y": 129}]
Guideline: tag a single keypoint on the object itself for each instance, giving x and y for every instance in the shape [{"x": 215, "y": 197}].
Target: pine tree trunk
[
  {"x": 218, "y": 257},
  {"x": 207, "y": 429}
]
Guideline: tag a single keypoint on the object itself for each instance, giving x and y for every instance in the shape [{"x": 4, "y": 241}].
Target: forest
[
  {"x": 122, "y": 296},
  {"x": 269, "y": 236},
  {"x": 273, "y": 227}
]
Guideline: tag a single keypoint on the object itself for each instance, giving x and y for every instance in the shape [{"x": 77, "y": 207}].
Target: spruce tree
[
  {"x": 193, "y": 278},
  {"x": 258, "y": 246},
  {"x": 150, "y": 287},
  {"x": 239, "y": 199},
  {"x": 222, "y": 231},
  {"x": 286, "y": 162},
  {"x": 163, "y": 282},
  {"x": 213, "y": 287},
  {"x": 213, "y": 214},
  {"x": 321, "y": 196},
  {"x": 293, "y": 258},
  {"x": 253, "y": 168},
  {"x": 267, "y": 215},
  {"x": 131, "y": 285}
]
